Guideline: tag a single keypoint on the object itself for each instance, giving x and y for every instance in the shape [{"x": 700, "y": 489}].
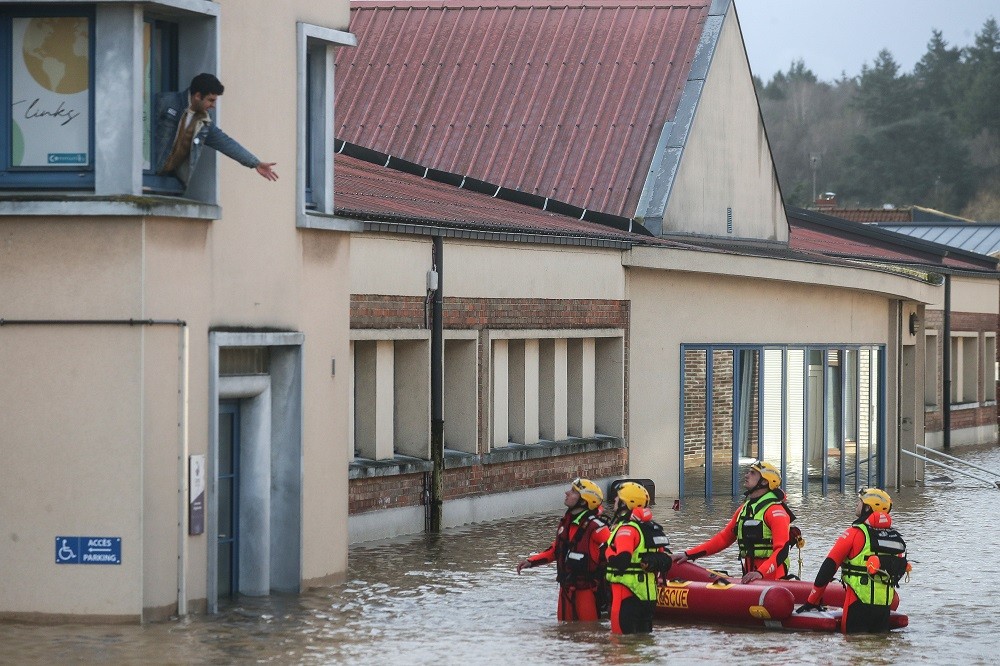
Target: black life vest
[{"x": 574, "y": 565}]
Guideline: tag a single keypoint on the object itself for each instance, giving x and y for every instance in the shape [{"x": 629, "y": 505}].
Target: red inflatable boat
[{"x": 695, "y": 593}]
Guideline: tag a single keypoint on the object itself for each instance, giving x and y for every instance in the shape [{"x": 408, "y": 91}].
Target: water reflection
[{"x": 455, "y": 598}]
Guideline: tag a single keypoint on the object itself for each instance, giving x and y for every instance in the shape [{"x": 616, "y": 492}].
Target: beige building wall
[
  {"x": 485, "y": 269},
  {"x": 73, "y": 414},
  {"x": 670, "y": 308},
  {"x": 104, "y": 416},
  {"x": 971, "y": 294},
  {"x": 726, "y": 164}
]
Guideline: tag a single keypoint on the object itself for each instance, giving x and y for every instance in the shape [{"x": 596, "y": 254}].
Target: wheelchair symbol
[{"x": 65, "y": 553}]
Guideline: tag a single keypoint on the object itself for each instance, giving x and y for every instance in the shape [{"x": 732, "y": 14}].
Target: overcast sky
[{"x": 837, "y": 36}]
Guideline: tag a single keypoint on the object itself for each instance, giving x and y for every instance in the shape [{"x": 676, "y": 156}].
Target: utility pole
[
  {"x": 437, "y": 388},
  {"x": 814, "y": 165}
]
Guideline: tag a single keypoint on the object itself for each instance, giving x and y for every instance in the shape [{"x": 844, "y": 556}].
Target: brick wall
[
  {"x": 695, "y": 378},
  {"x": 384, "y": 312},
  {"x": 404, "y": 490}
]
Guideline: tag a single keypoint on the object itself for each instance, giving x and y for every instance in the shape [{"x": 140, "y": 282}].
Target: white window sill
[
  {"x": 313, "y": 220},
  {"x": 83, "y": 205}
]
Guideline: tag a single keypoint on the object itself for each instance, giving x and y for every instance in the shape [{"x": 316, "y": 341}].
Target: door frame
[{"x": 285, "y": 426}]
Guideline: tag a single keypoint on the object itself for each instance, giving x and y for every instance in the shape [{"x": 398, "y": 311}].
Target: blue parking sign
[{"x": 88, "y": 550}]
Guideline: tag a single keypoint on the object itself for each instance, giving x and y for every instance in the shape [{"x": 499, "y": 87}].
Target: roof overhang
[{"x": 869, "y": 280}]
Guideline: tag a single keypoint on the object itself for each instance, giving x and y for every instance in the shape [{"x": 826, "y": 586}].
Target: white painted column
[
  {"x": 552, "y": 387},
  {"x": 531, "y": 391},
  {"x": 385, "y": 373},
  {"x": 501, "y": 389}
]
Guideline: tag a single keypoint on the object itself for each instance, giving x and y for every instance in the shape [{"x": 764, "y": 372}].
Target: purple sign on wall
[{"x": 196, "y": 494}]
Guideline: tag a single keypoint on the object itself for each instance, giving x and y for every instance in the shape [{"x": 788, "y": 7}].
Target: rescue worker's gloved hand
[
  {"x": 656, "y": 562},
  {"x": 752, "y": 576},
  {"x": 620, "y": 562},
  {"x": 681, "y": 558},
  {"x": 522, "y": 564}
]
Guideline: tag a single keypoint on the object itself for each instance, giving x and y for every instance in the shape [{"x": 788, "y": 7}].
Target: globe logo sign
[
  {"x": 55, "y": 53},
  {"x": 50, "y": 85}
]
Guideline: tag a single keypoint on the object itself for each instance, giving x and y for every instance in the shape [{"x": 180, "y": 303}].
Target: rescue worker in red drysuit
[
  {"x": 636, "y": 555},
  {"x": 872, "y": 558},
  {"x": 577, "y": 551},
  {"x": 761, "y": 527}
]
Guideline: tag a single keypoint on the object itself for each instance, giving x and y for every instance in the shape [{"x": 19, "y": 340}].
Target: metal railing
[{"x": 940, "y": 464}]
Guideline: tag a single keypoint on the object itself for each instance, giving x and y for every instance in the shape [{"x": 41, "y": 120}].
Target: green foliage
[{"x": 929, "y": 138}]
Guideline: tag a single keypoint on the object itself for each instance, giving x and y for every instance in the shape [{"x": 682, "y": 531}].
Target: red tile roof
[
  {"x": 812, "y": 240},
  {"x": 812, "y": 231},
  {"x": 565, "y": 100},
  {"x": 371, "y": 191},
  {"x": 870, "y": 214}
]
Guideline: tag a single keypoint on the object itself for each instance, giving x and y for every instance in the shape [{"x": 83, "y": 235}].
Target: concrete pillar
[
  {"x": 118, "y": 99},
  {"x": 255, "y": 495},
  {"x": 522, "y": 419},
  {"x": 500, "y": 398},
  {"x": 385, "y": 373},
  {"x": 552, "y": 387}
]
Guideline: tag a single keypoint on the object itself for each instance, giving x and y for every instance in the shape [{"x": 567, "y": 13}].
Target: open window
[
  {"x": 77, "y": 86},
  {"x": 159, "y": 76}
]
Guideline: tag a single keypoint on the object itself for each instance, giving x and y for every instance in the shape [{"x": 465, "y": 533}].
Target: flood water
[{"x": 455, "y": 598}]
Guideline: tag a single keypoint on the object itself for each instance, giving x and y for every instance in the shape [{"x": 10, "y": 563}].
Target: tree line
[{"x": 927, "y": 138}]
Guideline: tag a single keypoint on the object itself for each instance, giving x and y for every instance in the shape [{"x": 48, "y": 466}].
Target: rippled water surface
[{"x": 455, "y": 598}]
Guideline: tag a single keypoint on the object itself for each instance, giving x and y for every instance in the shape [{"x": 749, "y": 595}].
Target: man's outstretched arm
[{"x": 232, "y": 148}]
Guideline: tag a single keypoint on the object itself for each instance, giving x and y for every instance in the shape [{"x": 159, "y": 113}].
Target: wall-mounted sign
[
  {"x": 88, "y": 550},
  {"x": 50, "y": 86},
  {"x": 196, "y": 494}
]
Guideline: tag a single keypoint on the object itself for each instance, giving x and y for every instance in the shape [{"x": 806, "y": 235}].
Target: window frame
[
  {"x": 45, "y": 178},
  {"x": 315, "y": 122},
  {"x": 117, "y": 159},
  {"x": 162, "y": 79}
]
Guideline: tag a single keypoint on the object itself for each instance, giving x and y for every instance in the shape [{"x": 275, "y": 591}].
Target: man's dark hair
[{"x": 206, "y": 84}]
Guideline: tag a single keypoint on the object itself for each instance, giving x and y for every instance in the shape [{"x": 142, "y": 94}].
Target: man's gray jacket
[{"x": 170, "y": 108}]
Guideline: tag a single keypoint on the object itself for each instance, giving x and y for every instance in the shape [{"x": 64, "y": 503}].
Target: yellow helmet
[
  {"x": 633, "y": 494},
  {"x": 768, "y": 472},
  {"x": 589, "y": 492},
  {"x": 876, "y": 499}
]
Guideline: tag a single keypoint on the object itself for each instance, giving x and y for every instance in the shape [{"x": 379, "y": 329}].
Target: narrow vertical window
[
  {"x": 315, "y": 121},
  {"x": 159, "y": 76}
]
